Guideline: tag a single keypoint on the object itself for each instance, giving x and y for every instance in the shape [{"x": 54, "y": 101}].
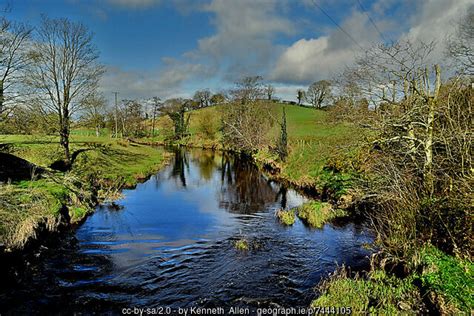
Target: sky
[{"x": 171, "y": 48}]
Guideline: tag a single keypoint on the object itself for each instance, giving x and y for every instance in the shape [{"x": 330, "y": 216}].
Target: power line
[
  {"x": 337, "y": 24},
  {"x": 372, "y": 21}
]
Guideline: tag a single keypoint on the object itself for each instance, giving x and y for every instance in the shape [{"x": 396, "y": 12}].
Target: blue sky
[{"x": 173, "y": 47}]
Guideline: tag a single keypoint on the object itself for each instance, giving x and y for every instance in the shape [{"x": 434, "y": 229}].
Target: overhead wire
[
  {"x": 372, "y": 21},
  {"x": 337, "y": 24}
]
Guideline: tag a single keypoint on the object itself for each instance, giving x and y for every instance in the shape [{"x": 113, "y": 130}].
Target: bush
[
  {"x": 316, "y": 213},
  {"x": 286, "y": 217}
]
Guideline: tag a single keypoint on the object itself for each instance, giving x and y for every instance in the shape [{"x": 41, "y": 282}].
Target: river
[{"x": 170, "y": 242}]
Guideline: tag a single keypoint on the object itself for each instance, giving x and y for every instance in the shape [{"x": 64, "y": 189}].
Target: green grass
[
  {"x": 449, "y": 277},
  {"x": 379, "y": 294},
  {"x": 286, "y": 217},
  {"x": 25, "y": 206},
  {"x": 316, "y": 214},
  {"x": 105, "y": 167},
  {"x": 448, "y": 282},
  {"x": 314, "y": 141}
]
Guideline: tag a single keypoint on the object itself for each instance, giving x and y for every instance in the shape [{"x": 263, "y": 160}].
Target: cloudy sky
[{"x": 174, "y": 47}]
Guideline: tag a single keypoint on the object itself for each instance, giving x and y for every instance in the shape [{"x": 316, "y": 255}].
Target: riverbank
[{"x": 54, "y": 199}]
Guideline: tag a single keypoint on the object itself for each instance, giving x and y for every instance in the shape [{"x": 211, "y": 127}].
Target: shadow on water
[{"x": 171, "y": 243}]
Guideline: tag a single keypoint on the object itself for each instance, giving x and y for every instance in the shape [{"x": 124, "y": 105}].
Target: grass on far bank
[
  {"x": 106, "y": 166},
  {"x": 316, "y": 214}
]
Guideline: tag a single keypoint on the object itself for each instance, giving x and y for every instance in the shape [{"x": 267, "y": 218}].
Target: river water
[{"x": 170, "y": 242}]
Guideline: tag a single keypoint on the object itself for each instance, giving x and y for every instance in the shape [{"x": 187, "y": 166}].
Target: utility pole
[{"x": 116, "y": 114}]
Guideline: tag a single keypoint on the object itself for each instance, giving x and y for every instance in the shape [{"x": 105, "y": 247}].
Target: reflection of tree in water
[
  {"x": 179, "y": 166},
  {"x": 283, "y": 194},
  {"x": 204, "y": 159},
  {"x": 243, "y": 190}
]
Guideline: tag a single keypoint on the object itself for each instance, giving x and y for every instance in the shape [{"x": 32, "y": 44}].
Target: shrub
[
  {"x": 286, "y": 217},
  {"x": 316, "y": 213}
]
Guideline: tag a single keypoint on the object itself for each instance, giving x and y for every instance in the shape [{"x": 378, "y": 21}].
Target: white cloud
[
  {"x": 245, "y": 30},
  {"x": 435, "y": 19},
  {"x": 309, "y": 60}
]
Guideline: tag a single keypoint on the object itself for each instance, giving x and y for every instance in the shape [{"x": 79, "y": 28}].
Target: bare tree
[
  {"x": 203, "y": 97},
  {"x": 66, "y": 71},
  {"x": 398, "y": 79},
  {"x": 248, "y": 89},
  {"x": 94, "y": 111},
  {"x": 300, "y": 95},
  {"x": 318, "y": 92},
  {"x": 15, "y": 56},
  {"x": 461, "y": 44},
  {"x": 246, "y": 121},
  {"x": 423, "y": 144},
  {"x": 269, "y": 91}
]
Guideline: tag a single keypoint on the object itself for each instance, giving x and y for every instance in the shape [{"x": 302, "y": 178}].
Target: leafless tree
[
  {"x": 300, "y": 95},
  {"x": 269, "y": 91},
  {"x": 66, "y": 71},
  {"x": 248, "y": 89},
  {"x": 15, "y": 56},
  {"x": 423, "y": 139},
  {"x": 461, "y": 44},
  {"x": 203, "y": 97},
  {"x": 318, "y": 92},
  {"x": 94, "y": 111},
  {"x": 246, "y": 121}
]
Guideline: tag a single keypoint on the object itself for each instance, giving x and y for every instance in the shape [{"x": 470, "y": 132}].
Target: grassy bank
[
  {"x": 438, "y": 283},
  {"x": 101, "y": 169}
]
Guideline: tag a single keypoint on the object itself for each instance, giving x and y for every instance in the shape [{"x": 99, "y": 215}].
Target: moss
[
  {"x": 242, "y": 244},
  {"x": 379, "y": 294},
  {"x": 316, "y": 214},
  {"x": 449, "y": 277},
  {"x": 286, "y": 217}
]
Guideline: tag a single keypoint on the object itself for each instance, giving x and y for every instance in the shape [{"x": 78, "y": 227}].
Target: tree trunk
[
  {"x": 1, "y": 97},
  {"x": 428, "y": 167},
  {"x": 153, "y": 125},
  {"x": 64, "y": 140},
  {"x": 97, "y": 131}
]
